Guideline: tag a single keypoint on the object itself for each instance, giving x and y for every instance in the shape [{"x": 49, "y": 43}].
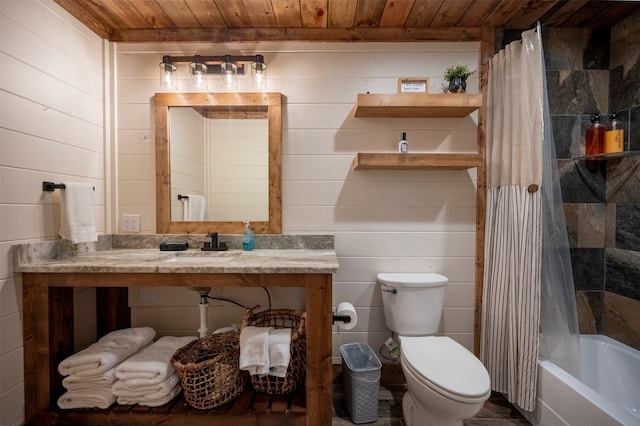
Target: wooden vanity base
[
  {"x": 48, "y": 339},
  {"x": 240, "y": 412}
]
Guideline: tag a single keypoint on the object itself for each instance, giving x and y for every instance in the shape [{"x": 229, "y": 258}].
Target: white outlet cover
[{"x": 130, "y": 223}]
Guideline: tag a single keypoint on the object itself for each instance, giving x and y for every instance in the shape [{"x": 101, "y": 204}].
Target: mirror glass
[{"x": 218, "y": 162}]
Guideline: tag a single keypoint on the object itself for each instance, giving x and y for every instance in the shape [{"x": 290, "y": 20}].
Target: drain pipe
[{"x": 204, "y": 306}]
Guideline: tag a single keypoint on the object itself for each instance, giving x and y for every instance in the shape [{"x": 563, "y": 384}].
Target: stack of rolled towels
[
  {"x": 148, "y": 378},
  {"x": 91, "y": 373},
  {"x": 124, "y": 366},
  {"x": 265, "y": 350}
]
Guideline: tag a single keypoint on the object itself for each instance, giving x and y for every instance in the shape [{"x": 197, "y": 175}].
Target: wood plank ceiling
[{"x": 344, "y": 20}]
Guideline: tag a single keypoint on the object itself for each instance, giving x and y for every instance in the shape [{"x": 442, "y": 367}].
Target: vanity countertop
[{"x": 260, "y": 261}]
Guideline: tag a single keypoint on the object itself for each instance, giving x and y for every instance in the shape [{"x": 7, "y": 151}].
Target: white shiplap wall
[
  {"x": 238, "y": 169},
  {"x": 382, "y": 220},
  {"x": 51, "y": 129},
  {"x": 187, "y": 154}
]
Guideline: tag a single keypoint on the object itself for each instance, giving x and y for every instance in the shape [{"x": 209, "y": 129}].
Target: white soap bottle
[{"x": 403, "y": 146}]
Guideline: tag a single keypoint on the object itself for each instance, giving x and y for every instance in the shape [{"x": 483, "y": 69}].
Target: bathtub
[{"x": 609, "y": 393}]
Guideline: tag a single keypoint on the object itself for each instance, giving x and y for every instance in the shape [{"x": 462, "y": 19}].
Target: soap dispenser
[
  {"x": 595, "y": 136},
  {"x": 614, "y": 135},
  {"x": 248, "y": 241}
]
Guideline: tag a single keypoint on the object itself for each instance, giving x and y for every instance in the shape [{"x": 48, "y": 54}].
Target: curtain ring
[{"x": 532, "y": 188}]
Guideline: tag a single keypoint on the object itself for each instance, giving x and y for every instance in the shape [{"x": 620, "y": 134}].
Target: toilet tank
[{"x": 412, "y": 301}]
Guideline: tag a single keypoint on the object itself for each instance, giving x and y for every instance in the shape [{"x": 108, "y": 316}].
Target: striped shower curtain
[{"x": 511, "y": 293}]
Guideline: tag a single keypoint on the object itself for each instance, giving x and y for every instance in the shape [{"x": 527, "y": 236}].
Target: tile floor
[{"x": 497, "y": 411}]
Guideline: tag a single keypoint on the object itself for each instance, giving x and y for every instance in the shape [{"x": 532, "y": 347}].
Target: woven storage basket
[
  {"x": 208, "y": 370},
  {"x": 282, "y": 318}
]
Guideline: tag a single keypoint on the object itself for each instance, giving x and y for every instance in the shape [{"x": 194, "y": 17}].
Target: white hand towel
[
  {"x": 195, "y": 208},
  {"x": 152, "y": 402},
  {"x": 107, "y": 352},
  {"x": 185, "y": 209},
  {"x": 96, "y": 398},
  {"x": 121, "y": 388},
  {"x": 74, "y": 383},
  {"x": 279, "y": 351},
  {"x": 254, "y": 349},
  {"x": 152, "y": 364},
  {"x": 76, "y": 213}
]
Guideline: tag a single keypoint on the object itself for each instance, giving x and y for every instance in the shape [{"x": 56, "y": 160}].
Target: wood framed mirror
[{"x": 171, "y": 209}]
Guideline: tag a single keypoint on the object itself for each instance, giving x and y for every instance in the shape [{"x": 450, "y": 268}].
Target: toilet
[{"x": 446, "y": 383}]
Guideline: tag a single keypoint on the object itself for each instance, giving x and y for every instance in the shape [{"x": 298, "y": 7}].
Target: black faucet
[{"x": 213, "y": 245}]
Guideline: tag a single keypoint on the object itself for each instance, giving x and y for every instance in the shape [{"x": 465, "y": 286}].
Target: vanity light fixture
[
  {"x": 228, "y": 72},
  {"x": 167, "y": 69},
  {"x": 259, "y": 73},
  {"x": 198, "y": 73},
  {"x": 228, "y": 67}
]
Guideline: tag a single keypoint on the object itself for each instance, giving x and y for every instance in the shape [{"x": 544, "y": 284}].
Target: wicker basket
[
  {"x": 208, "y": 370},
  {"x": 282, "y": 318}
]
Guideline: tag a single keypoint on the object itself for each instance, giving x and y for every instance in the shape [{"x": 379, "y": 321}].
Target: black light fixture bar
[{"x": 213, "y": 62}]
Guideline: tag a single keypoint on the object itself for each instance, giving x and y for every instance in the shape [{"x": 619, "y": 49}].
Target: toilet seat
[{"x": 445, "y": 366}]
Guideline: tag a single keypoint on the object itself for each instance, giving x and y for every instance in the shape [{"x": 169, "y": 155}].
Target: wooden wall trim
[
  {"x": 212, "y": 35},
  {"x": 487, "y": 49}
]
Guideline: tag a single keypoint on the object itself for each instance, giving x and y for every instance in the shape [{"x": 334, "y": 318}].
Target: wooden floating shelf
[
  {"x": 376, "y": 161},
  {"x": 409, "y": 105}
]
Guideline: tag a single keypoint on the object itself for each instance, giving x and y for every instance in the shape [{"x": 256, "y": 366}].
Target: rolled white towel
[
  {"x": 279, "y": 351},
  {"x": 163, "y": 399},
  {"x": 107, "y": 352},
  {"x": 74, "y": 382},
  {"x": 120, "y": 388},
  {"x": 95, "y": 398},
  {"x": 152, "y": 364},
  {"x": 254, "y": 349}
]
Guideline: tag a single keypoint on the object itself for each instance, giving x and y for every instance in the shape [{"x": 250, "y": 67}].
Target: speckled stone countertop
[{"x": 118, "y": 254}]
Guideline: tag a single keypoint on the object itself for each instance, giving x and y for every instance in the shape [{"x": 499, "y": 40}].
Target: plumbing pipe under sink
[{"x": 204, "y": 307}]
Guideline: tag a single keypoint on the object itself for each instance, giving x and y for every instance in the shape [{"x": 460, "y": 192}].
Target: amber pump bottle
[
  {"x": 595, "y": 136},
  {"x": 614, "y": 136}
]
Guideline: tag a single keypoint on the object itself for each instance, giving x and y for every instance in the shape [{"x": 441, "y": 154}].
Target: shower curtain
[
  {"x": 529, "y": 305},
  {"x": 513, "y": 232}
]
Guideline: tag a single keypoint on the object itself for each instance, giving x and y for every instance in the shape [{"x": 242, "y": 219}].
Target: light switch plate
[{"x": 130, "y": 223}]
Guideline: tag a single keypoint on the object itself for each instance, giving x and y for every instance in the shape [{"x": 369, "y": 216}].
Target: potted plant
[{"x": 457, "y": 76}]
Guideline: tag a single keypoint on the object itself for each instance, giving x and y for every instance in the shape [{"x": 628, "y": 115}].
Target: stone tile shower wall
[
  {"x": 620, "y": 314},
  {"x": 599, "y": 71}
]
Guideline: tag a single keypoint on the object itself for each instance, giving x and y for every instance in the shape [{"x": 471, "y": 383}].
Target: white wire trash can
[{"x": 361, "y": 379}]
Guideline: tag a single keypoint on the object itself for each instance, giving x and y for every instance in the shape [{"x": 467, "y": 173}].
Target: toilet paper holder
[
  {"x": 341, "y": 318},
  {"x": 344, "y": 316}
]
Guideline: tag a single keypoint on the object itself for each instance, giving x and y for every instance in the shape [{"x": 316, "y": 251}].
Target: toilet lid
[{"x": 445, "y": 364}]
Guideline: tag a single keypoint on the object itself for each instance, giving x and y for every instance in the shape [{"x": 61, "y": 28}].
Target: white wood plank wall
[
  {"x": 187, "y": 154},
  {"x": 382, "y": 220},
  {"x": 51, "y": 129},
  {"x": 238, "y": 169}
]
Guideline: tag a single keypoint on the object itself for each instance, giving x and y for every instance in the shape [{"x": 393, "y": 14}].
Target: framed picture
[{"x": 413, "y": 85}]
